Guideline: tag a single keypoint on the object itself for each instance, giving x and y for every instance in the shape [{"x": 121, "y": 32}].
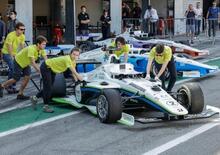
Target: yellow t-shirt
[
  {"x": 124, "y": 49},
  {"x": 61, "y": 64},
  {"x": 23, "y": 58},
  {"x": 14, "y": 40},
  {"x": 160, "y": 59}
]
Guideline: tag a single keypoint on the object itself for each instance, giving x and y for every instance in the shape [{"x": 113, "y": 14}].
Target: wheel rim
[
  {"x": 183, "y": 99},
  {"x": 102, "y": 106},
  {"x": 84, "y": 48}
]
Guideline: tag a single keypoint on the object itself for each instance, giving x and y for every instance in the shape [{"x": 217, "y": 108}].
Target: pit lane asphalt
[{"x": 84, "y": 134}]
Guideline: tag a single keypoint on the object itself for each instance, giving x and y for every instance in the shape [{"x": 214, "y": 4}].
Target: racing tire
[
  {"x": 191, "y": 97},
  {"x": 108, "y": 106},
  {"x": 59, "y": 86},
  {"x": 87, "y": 46}
]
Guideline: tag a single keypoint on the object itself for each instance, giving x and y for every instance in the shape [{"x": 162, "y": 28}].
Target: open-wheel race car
[
  {"x": 114, "y": 91},
  {"x": 185, "y": 67},
  {"x": 178, "y": 48}
]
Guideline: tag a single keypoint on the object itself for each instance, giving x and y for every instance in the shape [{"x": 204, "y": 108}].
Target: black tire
[
  {"x": 59, "y": 86},
  {"x": 108, "y": 106},
  {"x": 87, "y": 46},
  {"x": 190, "y": 95}
]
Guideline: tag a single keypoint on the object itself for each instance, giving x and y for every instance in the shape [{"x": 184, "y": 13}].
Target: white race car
[
  {"x": 136, "y": 41},
  {"x": 113, "y": 89}
]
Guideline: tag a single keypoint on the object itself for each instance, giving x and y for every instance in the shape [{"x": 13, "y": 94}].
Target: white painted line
[
  {"x": 184, "y": 138},
  {"x": 213, "y": 59},
  {"x": 22, "y": 105},
  {"x": 39, "y": 123}
]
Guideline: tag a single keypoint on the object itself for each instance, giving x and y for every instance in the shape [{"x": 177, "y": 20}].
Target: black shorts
[{"x": 18, "y": 71}]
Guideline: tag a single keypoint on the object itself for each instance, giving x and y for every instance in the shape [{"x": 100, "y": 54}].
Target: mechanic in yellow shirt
[
  {"x": 22, "y": 62},
  {"x": 14, "y": 42},
  {"x": 123, "y": 48},
  {"x": 49, "y": 69},
  {"x": 163, "y": 58}
]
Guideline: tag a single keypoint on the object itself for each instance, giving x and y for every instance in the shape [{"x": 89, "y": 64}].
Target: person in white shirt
[
  {"x": 198, "y": 11},
  {"x": 152, "y": 17}
]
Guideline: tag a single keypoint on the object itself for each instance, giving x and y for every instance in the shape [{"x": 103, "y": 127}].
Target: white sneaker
[{"x": 34, "y": 101}]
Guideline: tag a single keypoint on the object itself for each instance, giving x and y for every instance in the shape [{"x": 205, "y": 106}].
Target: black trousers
[
  {"x": 105, "y": 32},
  {"x": 48, "y": 77},
  {"x": 173, "y": 74},
  {"x": 213, "y": 24}
]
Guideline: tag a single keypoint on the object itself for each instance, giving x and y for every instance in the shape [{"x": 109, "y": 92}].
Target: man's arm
[
  {"x": 45, "y": 57},
  {"x": 149, "y": 64},
  {"x": 10, "y": 50},
  {"x": 186, "y": 13},
  {"x": 21, "y": 45},
  {"x": 125, "y": 57},
  {"x": 207, "y": 15},
  {"x": 36, "y": 67},
  {"x": 164, "y": 66},
  {"x": 85, "y": 21},
  {"x": 75, "y": 75},
  {"x": 146, "y": 14}
]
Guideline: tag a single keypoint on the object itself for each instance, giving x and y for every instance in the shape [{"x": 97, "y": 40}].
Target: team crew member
[
  {"x": 22, "y": 62},
  {"x": 123, "y": 48},
  {"x": 163, "y": 58},
  {"x": 13, "y": 43},
  {"x": 84, "y": 20},
  {"x": 49, "y": 69}
]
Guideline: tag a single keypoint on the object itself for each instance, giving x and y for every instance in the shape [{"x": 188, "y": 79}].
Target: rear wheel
[
  {"x": 59, "y": 86},
  {"x": 190, "y": 95},
  {"x": 108, "y": 106},
  {"x": 87, "y": 46}
]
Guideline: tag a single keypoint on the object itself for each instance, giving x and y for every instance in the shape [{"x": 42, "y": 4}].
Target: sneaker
[
  {"x": 47, "y": 109},
  {"x": 1, "y": 90},
  {"x": 22, "y": 97},
  {"x": 34, "y": 101}
]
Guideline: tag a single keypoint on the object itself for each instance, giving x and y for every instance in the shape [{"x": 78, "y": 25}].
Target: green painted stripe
[
  {"x": 20, "y": 117},
  {"x": 215, "y": 62}
]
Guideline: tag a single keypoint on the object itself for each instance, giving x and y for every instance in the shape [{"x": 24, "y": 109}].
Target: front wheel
[
  {"x": 191, "y": 97},
  {"x": 108, "y": 106}
]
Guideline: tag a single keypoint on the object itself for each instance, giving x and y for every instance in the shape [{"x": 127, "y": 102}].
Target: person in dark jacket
[
  {"x": 2, "y": 31},
  {"x": 212, "y": 17},
  {"x": 106, "y": 21},
  {"x": 11, "y": 25},
  {"x": 136, "y": 14},
  {"x": 84, "y": 20}
]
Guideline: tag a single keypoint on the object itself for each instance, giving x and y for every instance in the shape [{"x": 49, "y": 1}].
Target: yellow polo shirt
[
  {"x": 160, "y": 59},
  {"x": 23, "y": 58},
  {"x": 125, "y": 49},
  {"x": 60, "y": 64},
  {"x": 15, "y": 41}
]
